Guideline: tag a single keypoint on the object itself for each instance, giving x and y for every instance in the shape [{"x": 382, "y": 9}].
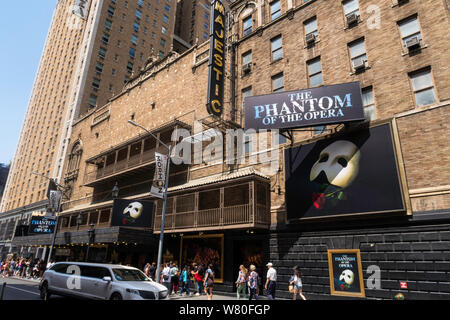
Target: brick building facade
[{"x": 240, "y": 211}]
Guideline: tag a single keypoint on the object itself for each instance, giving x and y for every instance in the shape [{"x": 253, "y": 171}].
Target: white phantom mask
[
  {"x": 347, "y": 276},
  {"x": 340, "y": 163},
  {"x": 134, "y": 209}
]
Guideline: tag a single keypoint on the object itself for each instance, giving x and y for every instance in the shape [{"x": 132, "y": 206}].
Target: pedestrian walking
[
  {"x": 296, "y": 283},
  {"x": 241, "y": 282},
  {"x": 152, "y": 271},
  {"x": 209, "y": 282},
  {"x": 271, "y": 282},
  {"x": 147, "y": 269},
  {"x": 253, "y": 280},
  {"x": 174, "y": 278},
  {"x": 165, "y": 278},
  {"x": 198, "y": 277},
  {"x": 185, "y": 281}
]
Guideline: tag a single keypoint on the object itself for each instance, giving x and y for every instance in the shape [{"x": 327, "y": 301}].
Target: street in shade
[{"x": 28, "y": 289}]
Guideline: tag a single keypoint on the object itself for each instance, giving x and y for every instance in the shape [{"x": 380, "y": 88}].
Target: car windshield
[{"x": 129, "y": 275}]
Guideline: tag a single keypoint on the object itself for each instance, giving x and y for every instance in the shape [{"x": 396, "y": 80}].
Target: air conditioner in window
[
  {"x": 352, "y": 19},
  {"x": 413, "y": 43},
  {"x": 247, "y": 68},
  {"x": 310, "y": 38},
  {"x": 359, "y": 64}
]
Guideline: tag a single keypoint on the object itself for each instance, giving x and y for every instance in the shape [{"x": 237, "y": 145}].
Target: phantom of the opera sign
[
  {"x": 216, "y": 67},
  {"x": 40, "y": 224},
  {"x": 346, "y": 276},
  {"x": 305, "y": 108},
  {"x": 80, "y": 8},
  {"x": 351, "y": 173}
]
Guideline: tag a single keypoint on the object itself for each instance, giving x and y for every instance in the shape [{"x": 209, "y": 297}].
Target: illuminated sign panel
[{"x": 216, "y": 65}]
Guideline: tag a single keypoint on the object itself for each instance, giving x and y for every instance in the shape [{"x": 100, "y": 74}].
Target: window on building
[
  {"x": 165, "y": 19},
  {"x": 161, "y": 54},
  {"x": 134, "y": 39},
  {"x": 247, "y": 92},
  {"x": 118, "y": 43},
  {"x": 140, "y": 3},
  {"x": 311, "y": 27},
  {"x": 351, "y": 7},
  {"x": 206, "y": 26},
  {"x": 163, "y": 30},
  {"x": 138, "y": 14},
  {"x": 248, "y": 25},
  {"x": 409, "y": 29},
  {"x": 96, "y": 83},
  {"x": 357, "y": 51},
  {"x": 136, "y": 26},
  {"x": 111, "y": 11},
  {"x": 92, "y": 101},
  {"x": 278, "y": 83},
  {"x": 108, "y": 24},
  {"x": 319, "y": 129},
  {"x": 368, "y": 104},
  {"x": 275, "y": 9},
  {"x": 102, "y": 53},
  {"x": 422, "y": 83},
  {"x": 99, "y": 67},
  {"x": 105, "y": 38},
  {"x": 167, "y": 8},
  {"x": 247, "y": 58},
  {"x": 277, "y": 48},
  {"x": 162, "y": 42},
  {"x": 205, "y": 35},
  {"x": 315, "y": 72},
  {"x": 132, "y": 53},
  {"x": 130, "y": 67}
]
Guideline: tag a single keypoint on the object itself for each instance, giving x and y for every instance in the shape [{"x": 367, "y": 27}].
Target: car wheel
[
  {"x": 45, "y": 294},
  {"x": 116, "y": 296}
]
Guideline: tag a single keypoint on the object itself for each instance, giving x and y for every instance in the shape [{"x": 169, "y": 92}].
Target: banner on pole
[{"x": 158, "y": 188}]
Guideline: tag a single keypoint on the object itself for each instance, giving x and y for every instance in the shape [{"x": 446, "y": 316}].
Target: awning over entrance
[{"x": 105, "y": 235}]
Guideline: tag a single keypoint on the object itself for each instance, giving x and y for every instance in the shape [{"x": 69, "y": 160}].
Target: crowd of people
[
  {"x": 247, "y": 284},
  {"x": 23, "y": 268},
  {"x": 179, "y": 281}
]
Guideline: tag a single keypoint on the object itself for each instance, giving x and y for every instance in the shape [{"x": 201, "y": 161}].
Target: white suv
[{"x": 99, "y": 281}]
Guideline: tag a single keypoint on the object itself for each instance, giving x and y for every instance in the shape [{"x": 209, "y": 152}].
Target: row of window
[
  {"x": 421, "y": 81},
  {"x": 409, "y": 27}
]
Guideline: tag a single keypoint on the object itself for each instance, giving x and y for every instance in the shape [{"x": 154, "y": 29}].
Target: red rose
[
  {"x": 318, "y": 200},
  {"x": 124, "y": 221},
  {"x": 342, "y": 287}
]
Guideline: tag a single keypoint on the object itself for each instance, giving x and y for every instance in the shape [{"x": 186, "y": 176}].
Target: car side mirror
[{"x": 108, "y": 279}]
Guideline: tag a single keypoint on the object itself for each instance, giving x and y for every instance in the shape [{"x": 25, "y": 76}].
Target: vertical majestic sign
[
  {"x": 216, "y": 75},
  {"x": 80, "y": 8},
  {"x": 159, "y": 179}
]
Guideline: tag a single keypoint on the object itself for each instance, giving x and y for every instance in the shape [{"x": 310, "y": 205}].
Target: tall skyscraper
[
  {"x": 192, "y": 24},
  {"x": 93, "y": 47}
]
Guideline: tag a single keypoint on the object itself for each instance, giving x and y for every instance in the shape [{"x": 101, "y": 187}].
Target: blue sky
[{"x": 23, "y": 29}]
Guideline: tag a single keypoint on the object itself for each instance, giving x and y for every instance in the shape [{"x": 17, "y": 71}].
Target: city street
[{"x": 27, "y": 289}]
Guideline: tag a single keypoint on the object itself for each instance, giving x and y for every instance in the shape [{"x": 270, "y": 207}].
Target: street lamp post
[
  {"x": 56, "y": 213},
  {"x": 91, "y": 233},
  {"x": 166, "y": 187}
]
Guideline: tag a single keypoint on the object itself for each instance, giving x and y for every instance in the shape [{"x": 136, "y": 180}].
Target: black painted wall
[{"x": 418, "y": 254}]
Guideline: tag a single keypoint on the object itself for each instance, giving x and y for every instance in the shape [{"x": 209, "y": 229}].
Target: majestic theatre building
[{"x": 361, "y": 204}]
